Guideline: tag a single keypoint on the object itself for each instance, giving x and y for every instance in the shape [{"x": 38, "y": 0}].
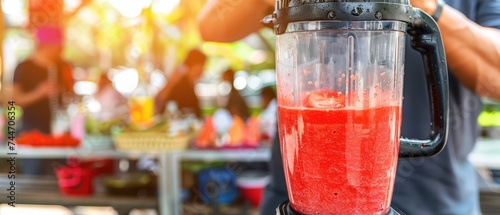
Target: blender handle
[{"x": 426, "y": 39}]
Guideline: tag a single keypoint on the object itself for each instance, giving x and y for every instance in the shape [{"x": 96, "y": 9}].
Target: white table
[
  {"x": 169, "y": 177},
  {"x": 486, "y": 154}
]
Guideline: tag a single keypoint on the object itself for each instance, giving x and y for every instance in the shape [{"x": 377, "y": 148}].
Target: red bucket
[
  {"x": 75, "y": 180},
  {"x": 252, "y": 185}
]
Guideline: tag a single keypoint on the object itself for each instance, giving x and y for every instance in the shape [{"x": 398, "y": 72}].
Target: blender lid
[
  {"x": 288, "y": 11},
  {"x": 293, "y": 3}
]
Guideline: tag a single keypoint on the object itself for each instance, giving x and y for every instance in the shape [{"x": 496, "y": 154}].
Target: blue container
[
  {"x": 217, "y": 184},
  {"x": 496, "y": 175},
  {"x": 185, "y": 194}
]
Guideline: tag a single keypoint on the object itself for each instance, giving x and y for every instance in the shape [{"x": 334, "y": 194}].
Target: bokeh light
[
  {"x": 85, "y": 88},
  {"x": 128, "y": 8},
  {"x": 224, "y": 88},
  {"x": 165, "y": 6},
  {"x": 240, "y": 83},
  {"x": 12, "y": 7},
  {"x": 157, "y": 79},
  {"x": 126, "y": 81},
  {"x": 254, "y": 82}
]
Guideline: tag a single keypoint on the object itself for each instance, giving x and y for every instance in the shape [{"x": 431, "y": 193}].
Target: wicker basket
[{"x": 150, "y": 141}]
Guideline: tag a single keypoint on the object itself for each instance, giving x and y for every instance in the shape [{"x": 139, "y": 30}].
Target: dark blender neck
[
  {"x": 290, "y": 11},
  {"x": 345, "y": 25},
  {"x": 293, "y": 3}
]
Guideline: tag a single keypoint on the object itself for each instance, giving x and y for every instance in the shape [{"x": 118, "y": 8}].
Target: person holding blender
[{"x": 446, "y": 183}]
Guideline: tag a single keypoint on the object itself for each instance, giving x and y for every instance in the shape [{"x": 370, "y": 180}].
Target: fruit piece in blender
[{"x": 325, "y": 99}]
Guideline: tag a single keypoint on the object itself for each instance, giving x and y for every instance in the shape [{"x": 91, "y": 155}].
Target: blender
[{"x": 340, "y": 66}]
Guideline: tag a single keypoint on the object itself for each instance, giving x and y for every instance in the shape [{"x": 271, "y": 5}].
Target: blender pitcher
[{"x": 340, "y": 68}]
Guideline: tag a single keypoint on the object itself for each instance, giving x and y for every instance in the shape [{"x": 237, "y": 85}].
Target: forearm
[
  {"x": 231, "y": 20},
  {"x": 472, "y": 52}
]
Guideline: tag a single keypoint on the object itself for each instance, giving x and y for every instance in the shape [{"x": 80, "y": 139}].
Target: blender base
[{"x": 286, "y": 209}]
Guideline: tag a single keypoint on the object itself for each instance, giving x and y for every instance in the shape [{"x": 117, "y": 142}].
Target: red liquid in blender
[{"x": 340, "y": 160}]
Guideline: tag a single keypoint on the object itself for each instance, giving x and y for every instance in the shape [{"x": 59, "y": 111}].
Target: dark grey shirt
[{"x": 445, "y": 184}]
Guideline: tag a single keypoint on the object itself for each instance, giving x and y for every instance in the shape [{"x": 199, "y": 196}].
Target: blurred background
[
  {"x": 122, "y": 54},
  {"x": 113, "y": 38},
  {"x": 108, "y": 149}
]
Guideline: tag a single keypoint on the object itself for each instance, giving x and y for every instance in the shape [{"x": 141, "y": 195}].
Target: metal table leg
[
  {"x": 175, "y": 181},
  {"x": 170, "y": 195},
  {"x": 163, "y": 186}
]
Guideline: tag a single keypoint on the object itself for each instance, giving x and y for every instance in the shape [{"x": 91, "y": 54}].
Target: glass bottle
[{"x": 141, "y": 103}]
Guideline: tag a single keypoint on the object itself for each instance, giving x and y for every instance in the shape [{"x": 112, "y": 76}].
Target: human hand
[
  {"x": 47, "y": 88},
  {"x": 428, "y": 6}
]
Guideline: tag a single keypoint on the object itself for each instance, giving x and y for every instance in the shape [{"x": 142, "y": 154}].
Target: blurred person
[
  {"x": 33, "y": 89},
  {"x": 236, "y": 104},
  {"x": 268, "y": 118},
  {"x": 446, "y": 183},
  {"x": 180, "y": 85}
]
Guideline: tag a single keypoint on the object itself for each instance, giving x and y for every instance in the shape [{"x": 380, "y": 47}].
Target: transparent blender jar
[
  {"x": 339, "y": 95},
  {"x": 340, "y": 66}
]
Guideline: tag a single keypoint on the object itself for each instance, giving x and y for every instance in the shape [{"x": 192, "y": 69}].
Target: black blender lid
[
  {"x": 288, "y": 11},
  {"x": 294, "y": 3}
]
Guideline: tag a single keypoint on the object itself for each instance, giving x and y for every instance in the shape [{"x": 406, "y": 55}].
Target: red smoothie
[{"x": 340, "y": 160}]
